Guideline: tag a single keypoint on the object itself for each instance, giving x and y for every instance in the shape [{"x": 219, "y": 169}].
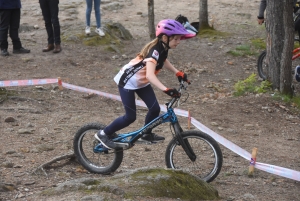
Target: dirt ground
[{"x": 37, "y": 124}]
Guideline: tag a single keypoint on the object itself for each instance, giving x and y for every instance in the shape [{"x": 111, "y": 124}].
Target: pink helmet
[{"x": 170, "y": 27}]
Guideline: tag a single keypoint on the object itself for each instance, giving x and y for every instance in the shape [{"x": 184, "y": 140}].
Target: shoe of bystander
[
  {"x": 4, "y": 52},
  {"x": 87, "y": 30},
  {"x": 22, "y": 50},
  {"x": 100, "y": 31}
]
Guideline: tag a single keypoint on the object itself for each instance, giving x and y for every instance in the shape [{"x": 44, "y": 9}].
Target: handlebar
[{"x": 182, "y": 86}]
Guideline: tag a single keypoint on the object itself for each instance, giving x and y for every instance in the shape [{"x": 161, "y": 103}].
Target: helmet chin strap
[{"x": 166, "y": 44}]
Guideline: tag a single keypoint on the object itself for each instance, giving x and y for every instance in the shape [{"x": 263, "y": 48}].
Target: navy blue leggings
[{"x": 128, "y": 100}]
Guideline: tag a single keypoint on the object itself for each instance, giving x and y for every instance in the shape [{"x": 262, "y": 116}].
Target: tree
[
  {"x": 151, "y": 25},
  {"x": 203, "y": 15},
  {"x": 280, "y": 37}
]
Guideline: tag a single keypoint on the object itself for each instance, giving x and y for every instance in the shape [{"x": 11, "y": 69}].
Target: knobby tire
[
  {"x": 261, "y": 66},
  {"x": 209, "y": 158},
  {"x": 99, "y": 163}
]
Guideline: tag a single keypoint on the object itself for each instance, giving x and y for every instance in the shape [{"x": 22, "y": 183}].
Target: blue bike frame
[{"x": 127, "y": 140}]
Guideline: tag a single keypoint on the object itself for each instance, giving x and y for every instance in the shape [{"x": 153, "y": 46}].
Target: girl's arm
[
  {"x": 170, "y": 67},
  {"x": 150, "y": 75},
  {"x": 180, "y": 75}
]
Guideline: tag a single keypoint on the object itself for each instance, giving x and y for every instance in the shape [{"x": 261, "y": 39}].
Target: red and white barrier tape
[
  {"x": 14, "y": 83},
  {"x": 280, "y": 171}
]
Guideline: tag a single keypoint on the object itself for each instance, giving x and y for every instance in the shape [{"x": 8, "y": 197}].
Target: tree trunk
[
  {"x": 279, "y": 44},
  {"x": 203, "y": 15},
  {"x": 286, "y": 62},
  {"x": 275, "y": 40},
  {"x": 151, "y": 19}
]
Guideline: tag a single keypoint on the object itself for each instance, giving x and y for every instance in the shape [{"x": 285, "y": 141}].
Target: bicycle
[
  {"x": 262, "y": 65},
  {"x": 192, "y": 151}
]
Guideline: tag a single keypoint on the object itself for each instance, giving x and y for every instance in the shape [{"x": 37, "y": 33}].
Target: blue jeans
[
  {"x": 50, "y": 13},
  {"x": 128, "y": 100},
  {"x": 89, "y": 6}
]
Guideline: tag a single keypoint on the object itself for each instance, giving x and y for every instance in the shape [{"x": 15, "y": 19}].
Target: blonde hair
[{"x": 143, "y": 53}]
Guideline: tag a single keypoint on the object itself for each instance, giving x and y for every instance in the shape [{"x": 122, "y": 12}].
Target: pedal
[{"x": 122, "y": 145}]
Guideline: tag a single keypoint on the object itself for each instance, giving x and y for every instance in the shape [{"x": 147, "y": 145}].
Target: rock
[
  {"x": 112, "y": 6},
  {"x": 21, "y": 195},
  {"x": 4, "y": 187},
  {"x": 7, "y": 164},
  {"x": 249, "y": 196},
  {"x": 153, "y": 182},
  {"x": 45, "y": 147},
  {"x": 9, "y": 119},
  {"x": 10, "y": 152},
  {"x": 214, "y": 124},
  {"x": 92, "y": 198},
  {"x": 25, "y": 131},
  {"x": 124, "y": 56},
  {"x": 220, "y": 128},
  {"x": 115, "y": 57},
  {"x": 28, "y": 183},
  {"x": 118, "y": 30}
]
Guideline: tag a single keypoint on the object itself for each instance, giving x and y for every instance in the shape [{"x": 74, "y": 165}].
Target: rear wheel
[
  {"x": 209, "y": 158},
  {"x": 91, "y": 154}
]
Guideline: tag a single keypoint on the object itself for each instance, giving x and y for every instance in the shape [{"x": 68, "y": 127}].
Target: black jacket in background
[{"x": 10, "y": 4}]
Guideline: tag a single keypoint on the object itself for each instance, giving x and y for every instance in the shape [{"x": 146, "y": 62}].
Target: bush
[{"x": 250, "y": 85}]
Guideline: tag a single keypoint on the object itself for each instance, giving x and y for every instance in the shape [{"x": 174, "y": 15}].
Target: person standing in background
[
  {"x": 50, "y": 13},
  {"x": 261, "y": 11},
  {"x": 89, "y": 5},
  {"x": 10, "y": 15}
]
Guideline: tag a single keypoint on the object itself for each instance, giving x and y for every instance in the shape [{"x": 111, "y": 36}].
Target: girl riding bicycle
[{"x": 138, "y": 75}]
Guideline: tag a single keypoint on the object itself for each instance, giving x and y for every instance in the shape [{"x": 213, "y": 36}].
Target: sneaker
[
  {"x": 152, "y": 137},
  {"x": 87, "y": 30},
  {"x": 100, "y": 31},
  {"x": 22, "y": 50},
  {"x": 297, "y": 73},
  {"x": 4, "y": 52},
  {"x": 105, "y": 140},
  {"x": 113, "y": 136}
]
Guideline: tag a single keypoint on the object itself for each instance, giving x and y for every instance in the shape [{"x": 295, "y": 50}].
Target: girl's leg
[
  {"x": 89, "y": 5},
  {"x": 128, "y": 100},
  {"x": 148, "y": 96},
  {"x": 97, "y": 12}
]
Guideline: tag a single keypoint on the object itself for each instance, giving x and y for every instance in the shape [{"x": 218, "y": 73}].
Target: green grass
[
  {"x": 250, "y": 85},
  {"x": 250, "y": 49},
  {"x": 242, "y": 50},
  {"x": 294, "y": 101},
  {"x": 212, "y": 33},
  {"x": 258, "y": 43}
]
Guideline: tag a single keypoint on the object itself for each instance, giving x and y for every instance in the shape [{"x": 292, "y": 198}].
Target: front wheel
[
  {"x": 262, "y": 65},
  {"x": 209, "y": 158},
  {"x": 91, "y": 154}
]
